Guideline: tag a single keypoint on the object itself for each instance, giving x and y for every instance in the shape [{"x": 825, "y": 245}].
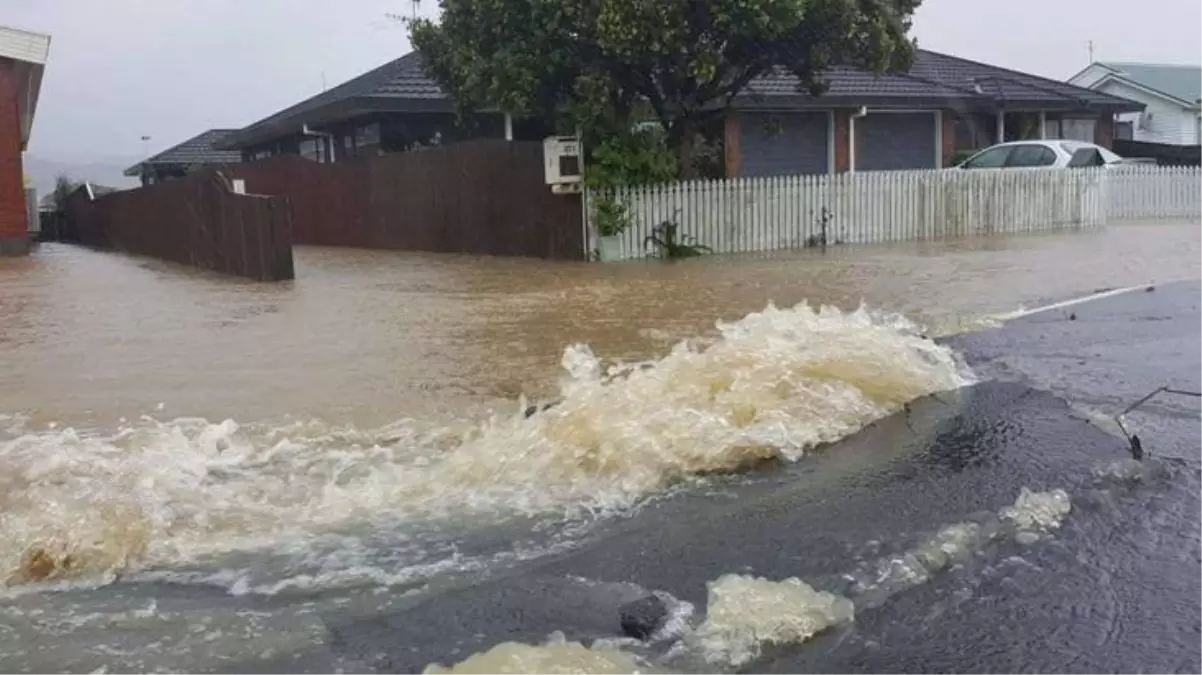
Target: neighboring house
[
  {"x": 392, "y": 108},
  {"x": 194, "y": 154},
  {"x": 942, "y": 107},
  {"x": 1171, "y": 95},
  {"x": 22, "y": 62},
  {"x": 920, "y": 119}
]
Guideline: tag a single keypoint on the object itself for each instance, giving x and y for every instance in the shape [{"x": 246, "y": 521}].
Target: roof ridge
[{"x": 1151, "y": 64}]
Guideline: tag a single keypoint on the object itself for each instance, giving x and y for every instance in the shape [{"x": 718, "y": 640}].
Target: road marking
[{"x": 1018, "y": 314}]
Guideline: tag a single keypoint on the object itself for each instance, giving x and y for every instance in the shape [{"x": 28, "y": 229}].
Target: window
[
  {"x": 1031, "y": 155},
  {"x": 1077, "y": 129},
  {"x": 993, "y": 158},
  {"x": 1086, "y": 156},
  {"x": 1124, "y": 131},
  {"x": 313, "y": 148},
  {"x": 367, "y": 135}
]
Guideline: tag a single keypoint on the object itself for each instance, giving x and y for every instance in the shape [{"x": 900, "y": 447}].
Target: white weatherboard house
[{"x": 1172, "y": 94}]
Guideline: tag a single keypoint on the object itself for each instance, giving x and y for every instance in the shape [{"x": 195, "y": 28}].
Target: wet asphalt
[{"x": 1117, "y": 589}]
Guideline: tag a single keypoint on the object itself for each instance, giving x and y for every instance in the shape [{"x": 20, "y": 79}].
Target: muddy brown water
[
  {"x": 363, "y": 337},
  {"x": 116, "y": 374}
]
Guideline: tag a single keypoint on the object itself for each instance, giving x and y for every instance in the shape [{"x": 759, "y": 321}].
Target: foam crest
[{"x": 770, "y": 387}]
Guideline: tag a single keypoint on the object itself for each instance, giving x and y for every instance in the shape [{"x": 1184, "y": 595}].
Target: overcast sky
[{"x": 169, "y": 69}]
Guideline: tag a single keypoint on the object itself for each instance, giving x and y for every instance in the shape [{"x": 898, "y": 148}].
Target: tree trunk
[{"x": 681, "y": 140}]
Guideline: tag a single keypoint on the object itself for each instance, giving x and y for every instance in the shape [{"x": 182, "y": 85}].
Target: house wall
[
  {"x": 1162, "y": 122},
  {"x": 14, "y": 224}
]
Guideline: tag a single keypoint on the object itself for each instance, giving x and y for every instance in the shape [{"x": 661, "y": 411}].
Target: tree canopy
[{"x": 607, "y": 62}]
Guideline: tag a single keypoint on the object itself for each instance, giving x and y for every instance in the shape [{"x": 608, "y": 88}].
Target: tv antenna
[{"x": 393, "y": 16}]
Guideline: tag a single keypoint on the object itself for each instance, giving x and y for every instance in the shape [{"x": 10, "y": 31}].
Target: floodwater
[{"x": 360, "y": 428}]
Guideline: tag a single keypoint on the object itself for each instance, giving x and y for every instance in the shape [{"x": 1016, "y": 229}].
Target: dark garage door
[
  {"x": 784, "y": 144},
  {"x": 893, "y": 141}
]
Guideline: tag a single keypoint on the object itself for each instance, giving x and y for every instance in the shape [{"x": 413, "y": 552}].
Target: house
[
  {"x": 1171, "y": 95},
  {"x": 943, "y": 107},
  {"x": 22, "y": 62},
  {"x": 195, "y": 154},
  {"x": 921, "y": 119},
  {"x": 392, "y": 108}
]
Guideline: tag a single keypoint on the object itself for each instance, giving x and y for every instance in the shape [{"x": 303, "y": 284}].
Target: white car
[{"x": 1044, "y": 154}]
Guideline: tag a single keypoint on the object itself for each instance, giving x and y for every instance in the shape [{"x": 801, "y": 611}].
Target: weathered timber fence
[
  {"x": 1154, "y": 193},
  {"x": 198, "y": 221},
  {"x": 482, "y": 197},
  {"x": 777, "y": 213}
]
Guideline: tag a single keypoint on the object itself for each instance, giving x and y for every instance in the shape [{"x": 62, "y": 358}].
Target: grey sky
[{"x": 168, "y": 69}]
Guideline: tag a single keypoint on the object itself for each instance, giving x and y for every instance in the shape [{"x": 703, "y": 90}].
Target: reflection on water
[{"x": 365, "y": 337}]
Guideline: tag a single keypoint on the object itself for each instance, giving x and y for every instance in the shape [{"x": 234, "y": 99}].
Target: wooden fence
[
  {"x": 768, "y": 214},
  {"x": 198, "y": 221},
  {"x": 1163, "y": 153},
  {"x": 481, "y": 197}
]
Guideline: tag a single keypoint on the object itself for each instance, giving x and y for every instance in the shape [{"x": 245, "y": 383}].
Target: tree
[
  {"x": 64, "y": 187},
  {"x": 607, "y": 62}
]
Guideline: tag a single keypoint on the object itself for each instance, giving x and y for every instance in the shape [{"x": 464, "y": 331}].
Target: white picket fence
[
  {"x": 768, "y": 214},
  {"x": 1154, "y": 193}
]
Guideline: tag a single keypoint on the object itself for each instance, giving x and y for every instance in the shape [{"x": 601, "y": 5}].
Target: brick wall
[
  {"x": 843, "y": 139},
  {"x": 1103, "y": 131},
  {"x": 947, "y": 137},
  {"x": 14, "y": 226},
  {"x": 730, "y": 144}
]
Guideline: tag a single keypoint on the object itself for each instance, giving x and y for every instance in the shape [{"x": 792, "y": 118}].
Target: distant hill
[{"x": 43, "y": 172}]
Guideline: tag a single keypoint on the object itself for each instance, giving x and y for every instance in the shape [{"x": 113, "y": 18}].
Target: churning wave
[{"x": 769, "y": 387}]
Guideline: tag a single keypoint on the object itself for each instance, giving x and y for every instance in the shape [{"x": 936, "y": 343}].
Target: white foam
[
  {"x": 557, "y": 655},
  {"x": 746, "y": 613},
  {"x": 1039, "y": 511},
  {"x": 770, "y": 387}
]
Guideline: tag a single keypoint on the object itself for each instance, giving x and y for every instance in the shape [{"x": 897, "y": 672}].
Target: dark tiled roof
[
  {"x": 403, "y": 84},
  {"x": 198, "y": 150},
  {"x": 936, "y": 76},
  {"x": 404, "y": 79}
]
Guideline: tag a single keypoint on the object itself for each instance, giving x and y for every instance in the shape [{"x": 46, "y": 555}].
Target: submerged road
[{"x": 1116, "y": 588}]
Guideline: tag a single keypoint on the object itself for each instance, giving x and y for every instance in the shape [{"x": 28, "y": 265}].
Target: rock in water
[{"x": 642, "y": 617}]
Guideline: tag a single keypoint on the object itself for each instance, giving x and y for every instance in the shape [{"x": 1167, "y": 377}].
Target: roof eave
[
  {"x": 30, "y": 52},
  {"x": 800, "y": 101},
  {"x": 337, "y": 111},
  {"x": 1143, "y": 87}
]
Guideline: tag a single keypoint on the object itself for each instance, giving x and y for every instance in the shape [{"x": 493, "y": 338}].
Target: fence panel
[
  {"x": 484, "y": 197},
  {"x": 768, "y": 214},
  {"x": 197, "y": 221}
]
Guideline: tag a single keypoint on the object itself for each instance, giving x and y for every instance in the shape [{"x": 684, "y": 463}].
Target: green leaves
[{"x": 604, "y": 63}]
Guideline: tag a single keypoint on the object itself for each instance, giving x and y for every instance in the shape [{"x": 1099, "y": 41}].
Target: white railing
[{"x": 768, "y": 214}]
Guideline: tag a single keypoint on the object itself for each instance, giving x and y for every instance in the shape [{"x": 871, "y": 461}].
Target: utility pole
[{"x": 1090, "y": 44}]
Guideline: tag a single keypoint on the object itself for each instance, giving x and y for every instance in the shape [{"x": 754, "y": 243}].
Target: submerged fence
[
  {"x": 485, "y": 197},
  {"x": 198, "y": 221},
  {"x": 767, "y": 214}
]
